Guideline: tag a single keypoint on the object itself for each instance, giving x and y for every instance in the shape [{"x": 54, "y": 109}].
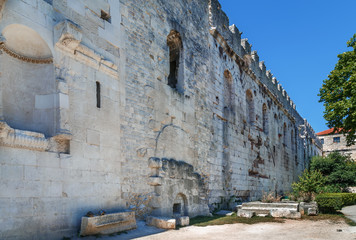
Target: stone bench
[
  {"x": 287, "y": 210},
  {"x": 108, "y": 223}
]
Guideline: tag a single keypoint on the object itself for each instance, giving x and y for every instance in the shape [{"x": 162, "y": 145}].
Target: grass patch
[
  {"x": 333, "y": 217},
  {"x": 203, "y": 221}
]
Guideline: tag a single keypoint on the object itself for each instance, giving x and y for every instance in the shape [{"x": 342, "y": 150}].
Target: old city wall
[{"x": 226, "y": 132}]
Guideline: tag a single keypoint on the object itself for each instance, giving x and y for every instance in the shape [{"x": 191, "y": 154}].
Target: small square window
[
  {"x": 336, "y": 139},
  {"x": 322, "y": 140},
  {"x": 105, "y": 16}
]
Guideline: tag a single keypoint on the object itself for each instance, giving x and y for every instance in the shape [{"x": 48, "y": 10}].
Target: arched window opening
[
  {"x": 174, "y": 43},
  {"x": 27, "y": 75},
  {"x": 250, "y": 107},
  {"x": 264, "y": 119},
  {"x": 180, "y": 206},
  {"x": 285, "y": 134},
  {"x": 292, "y": 140},
  {"x": 228, "y": 93}
]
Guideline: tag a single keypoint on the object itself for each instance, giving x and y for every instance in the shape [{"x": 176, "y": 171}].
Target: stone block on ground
[
  {"x": 182, "y": 221},
  {"x": 284, "y": 213},
  {"x": 312, "y": 211},
  {"x": 108, "y": 224},
  {"x": 237, "y": 208},
  {"x": 161, "y": 222},
  {"x": 246, "y": 214},
  {"x": 304, "y": 206}
]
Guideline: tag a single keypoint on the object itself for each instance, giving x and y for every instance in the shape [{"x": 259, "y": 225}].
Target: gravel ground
[{"x": 290, "y": 230}]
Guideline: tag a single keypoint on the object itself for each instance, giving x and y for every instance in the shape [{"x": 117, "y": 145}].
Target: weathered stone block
[
  {"x": 107, "y": 224},
  {"x": 304, "y": 207},
  {"x": 246, "y": 214},
  {"x": 312, "y": 211},
  {"x": 154, "y": 162},
  {"x": 161, "y": 222},
  {"x": 182, "y": 221},
  {"x": 155, "y": 181},
  {"x": 284, "y": 213}
]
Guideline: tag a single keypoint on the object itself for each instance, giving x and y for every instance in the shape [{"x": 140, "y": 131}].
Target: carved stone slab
[{"x": 108, "y": 224}]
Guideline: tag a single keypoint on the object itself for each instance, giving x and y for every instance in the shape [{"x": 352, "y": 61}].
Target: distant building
[{"x": 335, "y": 142}]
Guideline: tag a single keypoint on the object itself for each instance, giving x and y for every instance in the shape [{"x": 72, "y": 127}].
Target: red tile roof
[{"x": 326, "y": 132}]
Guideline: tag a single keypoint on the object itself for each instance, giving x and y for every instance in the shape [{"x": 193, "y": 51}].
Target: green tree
[
  {"x": 339, "y": 171},
  {"x": 309, "y": 183},
  {"x": 338, "y": 93}
]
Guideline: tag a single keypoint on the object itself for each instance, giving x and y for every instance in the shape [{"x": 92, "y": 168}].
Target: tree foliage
[
  {"x": 339, "y": 171},
  {"x": 309, "y": 183},
  {"x": 338, "y": 93},
  {"x": 330, "y": 174}
]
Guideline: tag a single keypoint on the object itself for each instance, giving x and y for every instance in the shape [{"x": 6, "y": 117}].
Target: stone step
[
  {"x": 270, "y": 205},
  {"x": 255, "y": 209}
]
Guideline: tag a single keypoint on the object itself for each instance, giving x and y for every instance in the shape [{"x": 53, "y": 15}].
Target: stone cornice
[
  {"x": 69, "y": 40},
  {"x": 24, "y": 58},
  {"x": 22, "y": 139}
]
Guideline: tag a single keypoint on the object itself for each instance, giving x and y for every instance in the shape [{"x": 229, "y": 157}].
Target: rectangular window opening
[
  {"x": 172, "y": 78},
  {"x": 322, "y": 141},
  {"x": 98, "y": 97},
  {"x": 336, "y": 139},
  {"x": 176, "y": 208}
]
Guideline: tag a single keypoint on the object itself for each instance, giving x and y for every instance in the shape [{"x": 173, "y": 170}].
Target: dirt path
[{"x": 291, "y": 229}]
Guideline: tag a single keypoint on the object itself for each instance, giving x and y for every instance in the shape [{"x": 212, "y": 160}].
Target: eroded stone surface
[
  {"x": 108, "y": 224},
  {"x": 310, "y": 208},
  {"x": 280, "y": 209},
  {"x": 246, "y": 214},
  {"x": 182, "y": 221},
  {"x": 223, "y": 134},
  {"x": 161, "y": 222}
]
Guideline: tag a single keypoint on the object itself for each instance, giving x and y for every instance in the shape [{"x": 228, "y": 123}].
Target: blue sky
[{"x": 299, "y": 42}]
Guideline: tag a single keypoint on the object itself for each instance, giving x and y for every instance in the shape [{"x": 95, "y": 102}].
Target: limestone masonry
[{"x": 157, "y": 107}]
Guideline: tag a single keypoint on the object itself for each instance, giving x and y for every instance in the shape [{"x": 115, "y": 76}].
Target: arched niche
[
  {"x": 28, "y": 97},
  {"x": 265, "y": 125},
  {"x": 180, "y": 206},
  {"x": 250, "y": 107}
]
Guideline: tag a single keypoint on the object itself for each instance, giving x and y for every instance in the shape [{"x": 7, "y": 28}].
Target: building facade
[
  {"x": 335, "y": 142},
  {"x": 154, "y": 106}
]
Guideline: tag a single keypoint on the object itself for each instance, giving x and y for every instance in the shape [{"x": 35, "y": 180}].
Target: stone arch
[
  {"x": 228, "y": 90},
  {"x": 28, "y": 97},
  {"x": 175, "y": 45},
  {"x": 285, "y": 134},
  {"x": 250, "y": 107},
  {"x": 265, "y": 125},
  {"x": 292, "y": 140},
  {"x": 180, "y": 205},
  {"x": 173, "y": 142}
]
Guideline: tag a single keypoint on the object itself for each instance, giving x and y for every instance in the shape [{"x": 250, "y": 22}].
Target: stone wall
[
  {"x": 227, "y": 132},
  {"x": 330, "y": 145}
]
